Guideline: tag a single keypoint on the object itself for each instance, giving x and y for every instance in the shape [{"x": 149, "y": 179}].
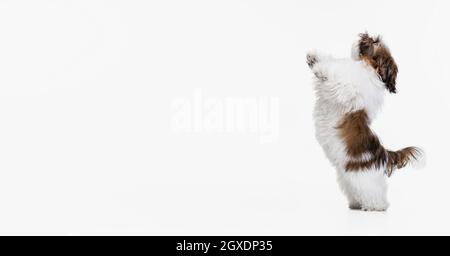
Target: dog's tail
[{"x": 413, "y": 156}]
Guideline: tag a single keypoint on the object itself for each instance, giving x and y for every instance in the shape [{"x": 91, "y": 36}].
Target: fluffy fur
[{"x": 350, "y": 93}]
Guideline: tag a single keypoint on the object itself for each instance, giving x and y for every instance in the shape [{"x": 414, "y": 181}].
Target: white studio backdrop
[{"x": 115, "y": 117}]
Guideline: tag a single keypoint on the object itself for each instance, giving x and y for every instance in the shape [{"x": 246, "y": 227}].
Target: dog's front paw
[{"x": 311, "y": 59}]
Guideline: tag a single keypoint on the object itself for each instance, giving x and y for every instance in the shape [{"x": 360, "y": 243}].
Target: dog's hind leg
[{"x": 366, "y": 189}]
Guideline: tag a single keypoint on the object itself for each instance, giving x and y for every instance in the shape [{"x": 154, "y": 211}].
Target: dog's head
[{"x": 373, "y": 51}]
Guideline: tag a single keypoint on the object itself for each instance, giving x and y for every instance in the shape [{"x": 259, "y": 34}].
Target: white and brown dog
[{"x": 349, "y": 94}]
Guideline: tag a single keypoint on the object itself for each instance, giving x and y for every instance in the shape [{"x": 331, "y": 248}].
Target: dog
[{"x": 349, "y": 94}]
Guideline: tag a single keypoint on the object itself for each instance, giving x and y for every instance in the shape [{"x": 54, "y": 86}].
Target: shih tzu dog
[{"x": 349, "y": 94}]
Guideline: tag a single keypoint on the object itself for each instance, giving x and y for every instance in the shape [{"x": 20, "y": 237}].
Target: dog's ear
[
  {"x": 387, "y": 70},
  {"x": 365, "y": 45},
  {"x": 374, "y": 52}
]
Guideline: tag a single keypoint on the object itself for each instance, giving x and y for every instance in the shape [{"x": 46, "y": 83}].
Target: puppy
[{"x": 349, "y": 94}]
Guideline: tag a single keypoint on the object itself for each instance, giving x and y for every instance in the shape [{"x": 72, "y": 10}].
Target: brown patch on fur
[
  {"x": 376, "y": 54},
  {"x": 359, "y": 140}
]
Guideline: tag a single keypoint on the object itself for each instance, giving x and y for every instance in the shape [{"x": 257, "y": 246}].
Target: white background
[{"x": 86, "y": 145}]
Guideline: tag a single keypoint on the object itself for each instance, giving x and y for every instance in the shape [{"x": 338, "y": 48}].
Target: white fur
[
  {"x": 365, "y": 157},
  {"x": 343, "y": 86}
]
